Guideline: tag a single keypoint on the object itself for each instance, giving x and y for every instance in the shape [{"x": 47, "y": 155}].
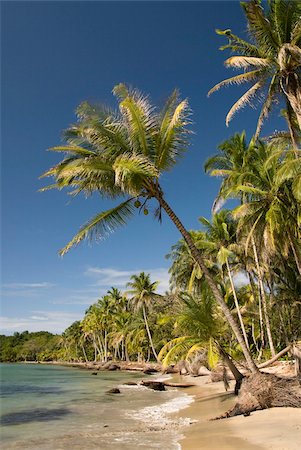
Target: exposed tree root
[{"x": 262, "y": 391}]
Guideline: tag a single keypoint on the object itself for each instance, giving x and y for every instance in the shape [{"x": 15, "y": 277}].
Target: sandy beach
[{"x": 276, "y": 428}]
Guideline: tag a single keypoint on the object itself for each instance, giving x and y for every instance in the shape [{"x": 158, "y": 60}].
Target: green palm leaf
[{"x": 102, "y": 224}]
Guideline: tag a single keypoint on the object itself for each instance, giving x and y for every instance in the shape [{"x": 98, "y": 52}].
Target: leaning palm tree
[
  {"x": 271, "y": 60},
  {"x": 143, "y": 293},
  {"x": 122, "y": 154}
]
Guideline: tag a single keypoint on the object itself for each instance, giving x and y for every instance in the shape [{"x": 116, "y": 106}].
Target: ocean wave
[{"x": 157, "y": 415}]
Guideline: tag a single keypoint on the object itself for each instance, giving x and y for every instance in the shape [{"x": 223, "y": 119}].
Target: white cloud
[
  {"x": 25, "y": 289},
  {"x": 75, "y": 299},
  {"x": 54, "y": 322},
  {"x": 42, "y": 285},
  {"x": 107, "y": 277}
]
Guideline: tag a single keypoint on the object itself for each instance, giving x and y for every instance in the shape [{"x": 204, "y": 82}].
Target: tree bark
[
  {"x": 211, "y": 282},
  {"x": 263, "y": 297},
  {"x": 292, "y": 90},
  {"x": 271, "y": 361},
  {"x": 149, "y": 334},
  {"x": 298, "y": 264},
  {"x": 237, "y": 306}
]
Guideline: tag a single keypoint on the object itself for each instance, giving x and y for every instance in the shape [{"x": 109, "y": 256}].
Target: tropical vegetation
[{"x": 235, "y": 282}]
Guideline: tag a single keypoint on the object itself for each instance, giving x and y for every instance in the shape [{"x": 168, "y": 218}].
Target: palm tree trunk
[
  {"x": 263, "y": 298},
  {"x": 292, "y": 91},
  {"x": 106, "y": 347},
  {"x": 149, "y": 334},
  {"x": 292, "y": 131},
  {"x": 237, "y": 305},
  {"x": 211, "y": 282},
  {"x": 298, "y": 264},
  {"x": 84, "y": 352},
  {"x": 252, "y": 283}
]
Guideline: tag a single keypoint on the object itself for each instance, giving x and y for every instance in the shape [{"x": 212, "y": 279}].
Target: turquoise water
[{"x": 54, "y": 407}]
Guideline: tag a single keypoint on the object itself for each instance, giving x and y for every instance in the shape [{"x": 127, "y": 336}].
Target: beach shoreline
[
  {"x": 190, "y": 421},
  {"x": 275, "y": 428}
]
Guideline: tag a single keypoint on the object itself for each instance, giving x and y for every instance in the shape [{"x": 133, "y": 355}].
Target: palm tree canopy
[
  {"x": 120, "y": 154},
  {"x": 142, "y": 291},
  {"x": 271, "y": 61}
]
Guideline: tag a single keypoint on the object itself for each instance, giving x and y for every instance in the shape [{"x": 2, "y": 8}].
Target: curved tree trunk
[
  {"x": 149, "y": 334},
  {"x": 292, "y": 131},
  {"x": 264, "y": 302},
  {"x": 237, "y": 305},
  {"x": 292, "y": 91},
  {"x": 211, "y": 282},
  {"x": 298, "y": 263},
  {"x": 255, "y": 293},
  {"x": 84, "y": 352}
]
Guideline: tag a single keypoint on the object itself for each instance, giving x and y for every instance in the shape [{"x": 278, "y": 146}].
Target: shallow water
[{"x": 54, "y": 407}]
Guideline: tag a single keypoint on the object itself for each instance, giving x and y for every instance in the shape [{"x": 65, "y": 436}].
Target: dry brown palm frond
[
  {"x": 247, "y": 61},
  {"x": 243, "y": 100},
  {"x": 266, "y": 107},
  {"x": 238, "y": 79}
]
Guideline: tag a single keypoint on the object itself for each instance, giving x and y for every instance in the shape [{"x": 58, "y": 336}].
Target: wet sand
[{"x": 276, "y": 428}]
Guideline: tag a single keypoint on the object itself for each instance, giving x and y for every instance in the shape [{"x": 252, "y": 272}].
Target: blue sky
[{"x": 57, "y": 54}]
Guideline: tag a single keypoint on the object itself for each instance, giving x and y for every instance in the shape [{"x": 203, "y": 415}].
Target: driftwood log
[{"x": 261, "y": 391}]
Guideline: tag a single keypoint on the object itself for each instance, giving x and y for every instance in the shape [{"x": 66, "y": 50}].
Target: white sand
[{"x": 276, "y": 428}]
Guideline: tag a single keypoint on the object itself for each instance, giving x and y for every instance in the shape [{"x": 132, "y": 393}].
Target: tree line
[{"x": 122, "y": 153}]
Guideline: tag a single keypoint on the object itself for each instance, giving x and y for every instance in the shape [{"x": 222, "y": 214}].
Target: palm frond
[
  {"x": 102, "y": 224},
  {"x": 247, "y": 61},
  {"x": 140, "y": 117},
  {"x": 73, "y": 150},
  {"x": 260, "y": 26},
  {"x": 131, "y": 171},
  {"x": 237, "y": 79},
  {"x": 172, "y": 138},
  {"x": 243, "y": 100},
  {"x": 265, "y": 110},
  {"x": 237, "y": 44}
]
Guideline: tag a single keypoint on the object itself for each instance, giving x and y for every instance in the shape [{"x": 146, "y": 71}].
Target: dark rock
[
  {"x": 149, "y": 371},
  {"x": 171, "y": 369},
  {"x": 155, "y": 385},
  {"x": 130, "y": 383},
  {"x": 94, "y": 373},
  {"x": 113, "y": 367},
  {"x": 113, "y": 391}
]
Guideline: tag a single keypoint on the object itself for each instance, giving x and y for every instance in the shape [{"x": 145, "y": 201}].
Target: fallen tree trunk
[
  {"x": 261, "y": 391},
  {"x": 271, "y": 361}
]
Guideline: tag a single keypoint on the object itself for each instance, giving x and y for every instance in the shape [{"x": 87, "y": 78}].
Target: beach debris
[
  {"x": 113, "y": 367},
  {"x": 155, "y": 385},
  {"x": 178, "y": 385},
  {"x": 171, "y": 369},
  {"x": 149, "y": 371},
  {"x": 262, "y": 391},
  {"x": 113, "y": 391}
]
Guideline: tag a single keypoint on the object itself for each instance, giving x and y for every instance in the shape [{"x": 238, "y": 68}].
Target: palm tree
[
  {"x": 197, "y": 325},
  {"x": 185, "y": 273},
  {"x": 221, "y": 242},
  {"x": 143, "y": 293},
  {"x": 122, "y": 154},
  {"x": 267, "y": 184},
  {"x": 271, "y": 60}
]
